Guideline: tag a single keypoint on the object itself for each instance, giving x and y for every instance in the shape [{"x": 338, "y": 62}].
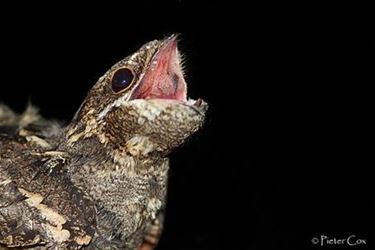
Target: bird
[{"x": 100, "y": 181}]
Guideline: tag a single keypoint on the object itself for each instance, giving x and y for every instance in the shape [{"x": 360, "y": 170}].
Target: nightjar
[{"x": 100, "y": 182}]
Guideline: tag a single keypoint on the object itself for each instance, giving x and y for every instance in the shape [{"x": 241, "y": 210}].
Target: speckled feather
[{"x": 101, "y": 181}]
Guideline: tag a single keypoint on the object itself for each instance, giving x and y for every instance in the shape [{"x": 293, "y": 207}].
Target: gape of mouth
[{"x": 164, "y": 77}]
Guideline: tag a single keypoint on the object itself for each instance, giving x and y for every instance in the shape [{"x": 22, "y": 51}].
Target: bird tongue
[{"x": 163, "y": 79}]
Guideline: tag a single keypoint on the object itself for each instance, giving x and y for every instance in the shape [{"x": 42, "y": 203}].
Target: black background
[{"x": 285, "y": 153}]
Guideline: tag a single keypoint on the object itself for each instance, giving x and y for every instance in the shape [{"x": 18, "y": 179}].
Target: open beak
[{"x": 164, "y": 77}]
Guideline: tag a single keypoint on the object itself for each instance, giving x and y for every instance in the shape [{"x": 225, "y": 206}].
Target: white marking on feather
[
  {"x": 139, "y": 144},
  {"x": 56, "y": 220},
  {"x": 131, "y": 62},
  {"x": 154, "y": 206},
  {"x": 83, "y": 240},
  {"x": 6, "y": 182},
  {"x": 147, "y": 109},
  {"x": 38, "y": 141},
  {"x": 132, "y": 57},
  {"x": 116, "y": 103}
]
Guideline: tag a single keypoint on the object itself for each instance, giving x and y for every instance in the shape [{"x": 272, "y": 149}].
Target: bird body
[{"x": 101, "y": 181}]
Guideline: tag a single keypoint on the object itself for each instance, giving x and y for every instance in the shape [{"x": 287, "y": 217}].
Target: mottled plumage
[{"x": 100, "y": 182}]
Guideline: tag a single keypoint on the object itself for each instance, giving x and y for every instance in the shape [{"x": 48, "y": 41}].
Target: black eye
[{"x": 122, "y": 79}]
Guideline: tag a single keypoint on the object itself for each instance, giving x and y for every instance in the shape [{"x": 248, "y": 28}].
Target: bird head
[{"x": 140, "y": 105}]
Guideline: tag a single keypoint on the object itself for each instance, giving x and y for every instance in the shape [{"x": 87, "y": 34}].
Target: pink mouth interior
[{"x": 164, "y": 78}]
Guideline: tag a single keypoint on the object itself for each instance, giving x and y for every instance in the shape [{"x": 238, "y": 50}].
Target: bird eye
[{"x": 122, "y": 79}]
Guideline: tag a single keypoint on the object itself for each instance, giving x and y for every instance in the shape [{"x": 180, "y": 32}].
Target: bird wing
[
  {"x": 39, "y": 205},
  {"x": 17, "y": 226}
]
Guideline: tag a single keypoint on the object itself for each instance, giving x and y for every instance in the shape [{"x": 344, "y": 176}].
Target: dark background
[{"x": 285, "y": 153}]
